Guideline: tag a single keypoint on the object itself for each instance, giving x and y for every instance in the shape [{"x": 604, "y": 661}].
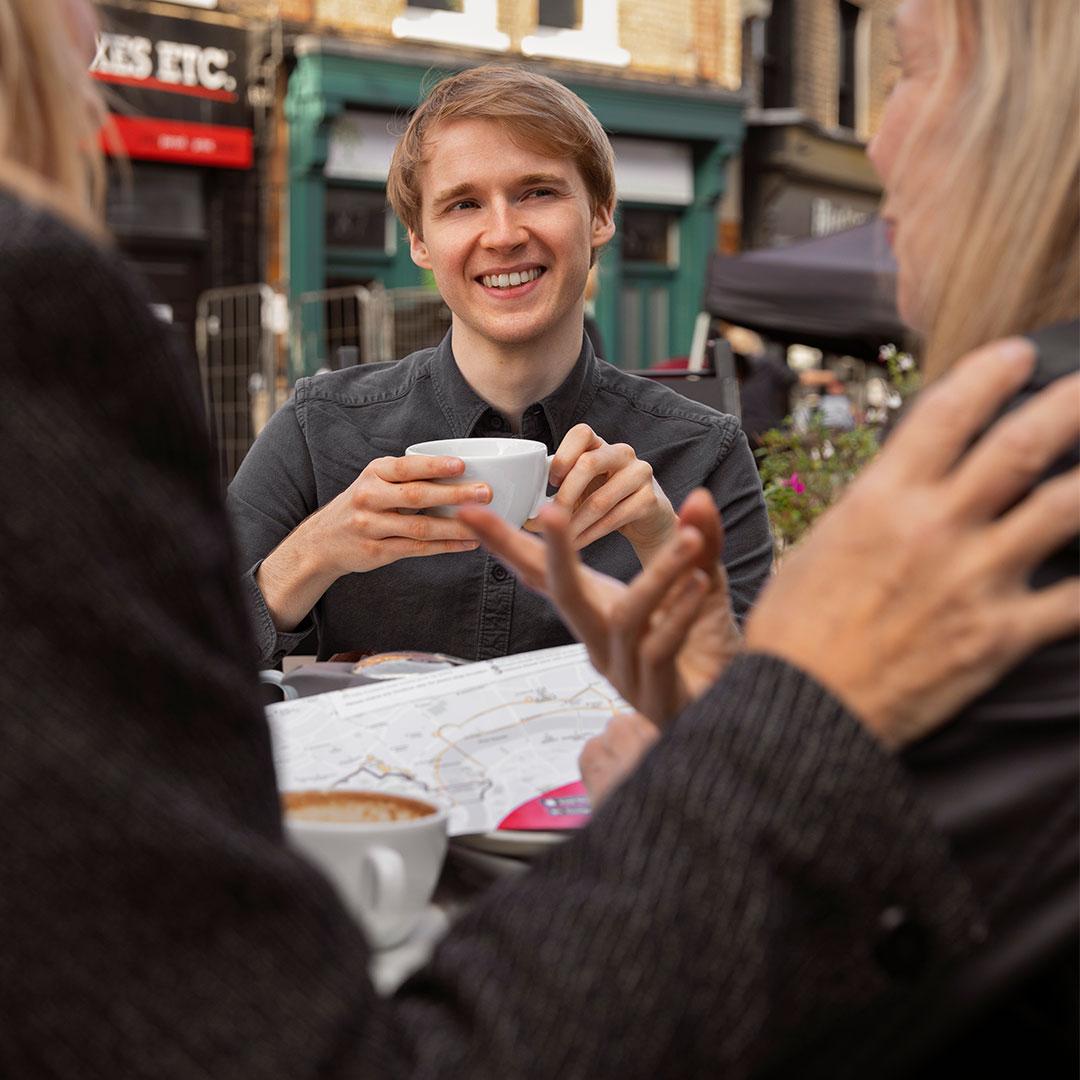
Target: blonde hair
[
  {"x": 1005, "y": 219},
  {"x": 537, "y": 112},
  {"x": 50, "y": 113}
]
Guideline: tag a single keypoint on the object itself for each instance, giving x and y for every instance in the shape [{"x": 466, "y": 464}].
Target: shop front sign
[
  {"x": 784, "y": 212},
  {"x": 177, "y": 87}
]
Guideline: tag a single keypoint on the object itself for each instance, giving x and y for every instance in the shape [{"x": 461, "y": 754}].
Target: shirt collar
[{"x": 463, "y": 407}]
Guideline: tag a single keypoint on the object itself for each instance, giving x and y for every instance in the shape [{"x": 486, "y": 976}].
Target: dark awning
[{"x": 836, "y": 293}]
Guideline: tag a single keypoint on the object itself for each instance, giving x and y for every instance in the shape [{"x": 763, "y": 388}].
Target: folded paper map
[{"x": 496, "y": 742}]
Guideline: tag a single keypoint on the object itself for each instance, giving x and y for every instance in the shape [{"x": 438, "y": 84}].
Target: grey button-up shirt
[{"x": 467, "y": 604}]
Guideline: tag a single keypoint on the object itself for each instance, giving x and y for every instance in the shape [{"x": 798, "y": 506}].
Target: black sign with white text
[
  {"x": 175, "y": 69},
  {"x": 176, "y": 87}
]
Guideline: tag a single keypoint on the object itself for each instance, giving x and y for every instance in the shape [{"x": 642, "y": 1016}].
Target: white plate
[
  {"x": 523, "y": 843},
  {"x": 389, "y": 968}
]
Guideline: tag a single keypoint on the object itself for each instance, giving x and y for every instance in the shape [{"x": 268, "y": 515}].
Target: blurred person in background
[
  {"x": 979, "y": 156},
  {"x": 834, "y": 409},
  {"x": 767, "y": 896},
  {"x": 767, "y": 384}
]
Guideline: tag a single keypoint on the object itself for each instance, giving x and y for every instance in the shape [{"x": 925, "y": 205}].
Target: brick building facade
[
  {"x": 329, "y": 79},
  {"x": 816, "y": 75}
]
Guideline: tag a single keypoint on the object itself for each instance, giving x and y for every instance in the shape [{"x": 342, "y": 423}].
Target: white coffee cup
[
  {"x": 382, "y": 852},
  {"x": 516, "y": 470}
]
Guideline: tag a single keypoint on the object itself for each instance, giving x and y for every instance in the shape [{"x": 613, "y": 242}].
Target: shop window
[
  {"x": 777, "y": 84},
  {"x": 560, "y": 14},
  {"x": 469, "y": 23},
  {"x": 650, "y": 236},
  {"x": 848, "y": 14},
  {"x": 586, "y": 30},
  {"x": 156, "y": 200},
  {"x": 359, "y": 219}
]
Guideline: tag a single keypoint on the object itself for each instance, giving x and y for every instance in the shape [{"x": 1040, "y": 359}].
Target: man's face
[{"x": 494, "y": 213}]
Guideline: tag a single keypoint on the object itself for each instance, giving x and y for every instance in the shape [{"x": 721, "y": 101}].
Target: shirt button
[
  {"x": 902, "y": 949},
  {"x": 498, "y": 423},
  {"x": 499, "y": 573}
]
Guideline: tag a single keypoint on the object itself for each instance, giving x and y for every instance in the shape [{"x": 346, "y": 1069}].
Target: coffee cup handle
[
  {"x": 543, "y": 498},
  {"x": 272, "y": 677},
  {"x": 384, "y": 872}
]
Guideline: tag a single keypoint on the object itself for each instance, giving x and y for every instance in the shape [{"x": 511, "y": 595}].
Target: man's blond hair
[{"x": 537, "y": 112}]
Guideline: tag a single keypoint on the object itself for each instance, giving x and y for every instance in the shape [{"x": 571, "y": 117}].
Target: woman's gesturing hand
[{"x": 663, "y": 639}]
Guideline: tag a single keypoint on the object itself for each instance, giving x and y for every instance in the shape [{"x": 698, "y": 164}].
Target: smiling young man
[{"x": 505, "y": 182}]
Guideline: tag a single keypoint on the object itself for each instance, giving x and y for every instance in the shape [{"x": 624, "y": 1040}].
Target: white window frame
[
  {"x": 863, "y": 74},
  {"x": 473, "y": 27},
  {"x": 596, "y": 42}
]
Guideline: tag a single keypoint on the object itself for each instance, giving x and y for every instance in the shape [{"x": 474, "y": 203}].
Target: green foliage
[{"x": 804, "y": 472}]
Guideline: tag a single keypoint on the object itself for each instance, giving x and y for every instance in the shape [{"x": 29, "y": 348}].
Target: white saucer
[
  {"x": 520, "y": 843},
  {"x": 389, "y": 968}
]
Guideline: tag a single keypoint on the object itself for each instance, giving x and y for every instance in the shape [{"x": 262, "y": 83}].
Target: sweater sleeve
[{"x": 273, "y": 491}]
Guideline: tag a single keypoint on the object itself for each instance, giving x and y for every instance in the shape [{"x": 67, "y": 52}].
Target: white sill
[
  {"x": 447, "y": 28},
  {"x": 573, "y": 45}
]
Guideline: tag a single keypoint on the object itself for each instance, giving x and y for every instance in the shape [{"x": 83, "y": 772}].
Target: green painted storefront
[{"x": 635, "y": 297}]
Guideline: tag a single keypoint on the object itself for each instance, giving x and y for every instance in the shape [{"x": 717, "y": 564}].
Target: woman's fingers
[
  {"x": 667, "y": 631},
  {"x": 566, "y": 587},
  {"x": 608, "y": 758},
  {"x": 700, "y": 510},
  {"x": 1043, "y": 522},
  {"x": 951, "y": 412},
  {"x": 1046, "y": 615},
  {"x": 1018, "y": 449},
  {"x": 661, "y": 691},
  {"x": 524, "y": 554},
  {"x": 648, "y": 590}
]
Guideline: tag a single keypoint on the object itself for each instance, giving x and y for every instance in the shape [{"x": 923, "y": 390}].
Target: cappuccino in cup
[
  {"x": 367, "y": 807},
  {"x": 382, "y": 852},
  {"x": 516, "y": 470}
]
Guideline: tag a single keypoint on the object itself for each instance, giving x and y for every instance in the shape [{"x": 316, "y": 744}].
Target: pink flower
[{"x": 796, "y": 484}]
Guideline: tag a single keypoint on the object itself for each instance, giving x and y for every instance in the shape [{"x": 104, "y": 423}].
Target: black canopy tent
[{"x": 836, "y": 293}]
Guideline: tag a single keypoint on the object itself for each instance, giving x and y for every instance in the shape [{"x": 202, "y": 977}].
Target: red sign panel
[{"x": 184, "y": 142}]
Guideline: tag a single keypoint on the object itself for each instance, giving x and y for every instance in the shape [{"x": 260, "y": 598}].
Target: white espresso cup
[
  {"x": 516, "y": 470},
  {"x": 382, "y": 852}
]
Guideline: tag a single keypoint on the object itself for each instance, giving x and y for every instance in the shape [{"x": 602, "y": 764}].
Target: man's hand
[
  {"x": 372, "y": 523},
  {"x": 607, "y": 759},
  {"x": 605, "y": 488},
  {"x": 911, "y": 596}
]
